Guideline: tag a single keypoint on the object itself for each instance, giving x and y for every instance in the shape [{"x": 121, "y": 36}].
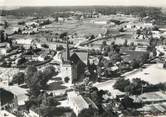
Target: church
[{"x": 73, "y": 65}]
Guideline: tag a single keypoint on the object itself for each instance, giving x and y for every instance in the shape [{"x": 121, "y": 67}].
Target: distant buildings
[
  {"x": 100, "y": 22},
  {"x": 141, "y": 48},
  {"x": 24, "y": 41},
  {"x": 3, "y": 51},
  {"x": 32, "y": 24}
]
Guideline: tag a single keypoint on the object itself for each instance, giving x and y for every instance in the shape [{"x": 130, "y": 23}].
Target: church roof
[{"x": 76, "y": 56}]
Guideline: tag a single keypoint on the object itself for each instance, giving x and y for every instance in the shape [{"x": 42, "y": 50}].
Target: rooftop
[
  {"x": 154, "y": 108},
  {"x": 83, "y": 56},
  {"x": 152, "y": 97},
  {"x": 4, "y": 113},
  {"x": 78, "y": 100},
  {"x": 19, "y": 92}
]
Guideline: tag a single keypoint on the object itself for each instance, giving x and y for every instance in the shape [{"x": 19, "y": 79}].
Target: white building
[
  {"x": 4, "y": 113},
  {"x": 141, "y": 48},
  {"x": 24, "y": 41},
  {"x": 77, "y": 102},
  {"x": 3, "y": 51},
  {"x": 156, "y": 34},
  {"x": 61, "y": 19},
  {"x": 100, "y": 22},
  {"x": 32, "y": 23},
  {"x": 31, "y": 114},
  {"x": 19, "y": 94},
  {"x": 148, "y": 25}
]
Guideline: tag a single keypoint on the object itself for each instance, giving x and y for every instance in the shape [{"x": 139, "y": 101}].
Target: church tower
[{"x": 67, "y": 49}]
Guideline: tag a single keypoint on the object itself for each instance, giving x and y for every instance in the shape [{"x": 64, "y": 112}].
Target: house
[
  {"x": 3, "y": 51},
  {"x": 4, "y": 113},
  {"x": 42, "y": 57},
  {"x": 24, "y": 41},
  {"x": 32, "y": 24},
  {"x": 150, "y": 97},
  {"x": 148, "y": 25},
  {"x": 141, "y": 48},
  {"x": 19, "y": 94},
  {"x": 77, "y": 102},
  {"x": 61, "y": 19},
  {"x": 153, "y": 110},
  {"x": 156, "y": 34},
  {"x": 31, "y": 113},
  {"x": 100, "y": 22}
]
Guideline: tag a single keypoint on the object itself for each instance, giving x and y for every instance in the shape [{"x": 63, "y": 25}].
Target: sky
[{"x": 157, "y": 3}]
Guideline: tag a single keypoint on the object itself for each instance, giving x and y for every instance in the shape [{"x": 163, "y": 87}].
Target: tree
[
  {"x": 121, "y": 84},
  {"x": 21, "y": 23},
  {"x": 6, "y": 24},
  {"x": 127, "y": 102},
  {"x": 135, "y": 87},
  {"x": 30, "y": 70},
  {"x": 2, "y": 37},
  {"x": 92, "y": 37},
  {"x": 32, "y": 79},
  {"x": 132, "y": 46},
  {"x": 125, "y": 43},
  {"x": 59, "y": 48},
  {"x": 104, "y": 44},
  {"x": 49, "y": 71},
  {"x": 18, "y": 78},
  {"x": 45, "y": 45},
  {"x": 138, "y": 32},
  {"x": 63, "y": 35},
  {"x": 114, "y": 57},
  {"x": 164, "y": 65},
  {"x": 47, "y": 74},
  {"x": 121, "y": 30},
  {"x": 135, "y": 64},
  {"x": 66, "y": 79},
  {"x": 87, "y": 113}
]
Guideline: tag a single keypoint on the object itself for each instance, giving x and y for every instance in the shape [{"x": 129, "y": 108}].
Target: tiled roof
[{"x": 83, "y": 56}]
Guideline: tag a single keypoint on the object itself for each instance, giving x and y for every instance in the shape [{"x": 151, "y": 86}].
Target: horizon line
[{"x": 16, "y": 6}]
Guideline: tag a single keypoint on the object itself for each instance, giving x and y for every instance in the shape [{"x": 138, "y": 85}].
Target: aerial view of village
[{"x": 83, "y": 61}]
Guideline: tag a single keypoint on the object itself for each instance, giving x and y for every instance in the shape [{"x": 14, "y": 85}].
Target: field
[
  {"x": 79, "y": 27},
  {"x": 153, "y": 74}
]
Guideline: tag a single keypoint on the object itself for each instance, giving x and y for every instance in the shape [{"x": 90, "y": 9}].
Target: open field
[
  {"x": 153, "y": 74},
  {"x": 78, "y": 27},
  {"x": 108, "y": 85}
]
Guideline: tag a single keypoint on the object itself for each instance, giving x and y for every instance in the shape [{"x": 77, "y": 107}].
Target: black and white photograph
[{"x": 82, "y": 58}]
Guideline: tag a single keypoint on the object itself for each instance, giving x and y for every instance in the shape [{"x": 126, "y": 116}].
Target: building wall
[
  {"x": 66, "y": 70},
  {"x": 73, "y": 102}
]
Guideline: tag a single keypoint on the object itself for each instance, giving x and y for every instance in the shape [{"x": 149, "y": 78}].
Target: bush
[
  {"x": 45, "y": 45},
  {"x": 67, "y": 79},
  {"x": 121, "y": 84}
]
